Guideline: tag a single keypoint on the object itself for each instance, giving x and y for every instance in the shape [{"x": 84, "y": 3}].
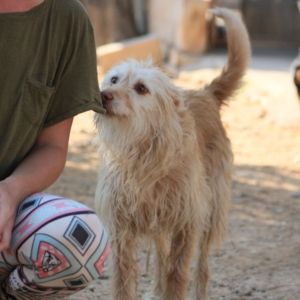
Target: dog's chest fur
[{"x": 157, "y": 195}]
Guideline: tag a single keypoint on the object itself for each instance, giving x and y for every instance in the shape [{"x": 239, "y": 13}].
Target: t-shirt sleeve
[{"x": 77, "y": 90}]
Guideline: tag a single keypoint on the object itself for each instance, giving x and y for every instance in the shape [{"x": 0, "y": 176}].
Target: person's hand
[{"x": 8, "y": 208}]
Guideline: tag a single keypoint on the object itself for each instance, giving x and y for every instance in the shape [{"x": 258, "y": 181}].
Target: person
[{"x": 50, "y": 246}]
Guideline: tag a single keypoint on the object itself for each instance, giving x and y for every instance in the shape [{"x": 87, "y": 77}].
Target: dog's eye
[
  {"x": 141, "y": 89},
  {"x": 114, "y": 79}
]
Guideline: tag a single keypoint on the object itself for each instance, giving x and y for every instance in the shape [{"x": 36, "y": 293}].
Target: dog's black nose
[{"x": 106, "y": 96}]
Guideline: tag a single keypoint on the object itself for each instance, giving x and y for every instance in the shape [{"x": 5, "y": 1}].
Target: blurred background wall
[
  {"x": 115, "y": 20},
  {"x": 182, "y": 24},
  {"x": 273, "y": 23}
]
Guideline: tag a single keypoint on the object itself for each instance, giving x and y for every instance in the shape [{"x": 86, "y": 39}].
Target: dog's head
[
  {"x": 144, "y": 116},
  {"x": 136, "y": 90}
]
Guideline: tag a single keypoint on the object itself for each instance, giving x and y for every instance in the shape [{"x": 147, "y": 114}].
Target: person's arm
[{"x": 39, "y": 170}]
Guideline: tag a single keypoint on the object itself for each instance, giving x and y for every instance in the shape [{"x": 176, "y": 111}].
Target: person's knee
[
  {"x": 90, "y": 239},
  {"x": 63, "y": 241}
]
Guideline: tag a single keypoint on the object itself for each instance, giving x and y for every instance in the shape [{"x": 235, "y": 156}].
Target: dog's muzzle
[{"x": 107, "y": 97}]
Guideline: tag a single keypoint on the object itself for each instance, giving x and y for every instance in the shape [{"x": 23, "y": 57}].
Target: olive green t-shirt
[{"x": 47, "y": 74}]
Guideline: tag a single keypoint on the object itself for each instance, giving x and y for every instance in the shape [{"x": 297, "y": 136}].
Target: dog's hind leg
[
  {"x": 202, "y": 271},
  {"x": 179, "y": 263},
  {"x": 125, "y": 269}
]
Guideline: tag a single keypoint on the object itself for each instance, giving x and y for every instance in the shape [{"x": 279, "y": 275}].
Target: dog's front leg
[
  {"x": 162, "y": 245},
  {"x": 179, "y": 263},
  {"x": 124, "y": 273},
  {"x": 202, "y": 272}
]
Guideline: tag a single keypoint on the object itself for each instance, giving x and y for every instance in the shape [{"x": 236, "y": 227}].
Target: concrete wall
[
  {"x": 114, "y": 20},
  {"x": 164, "y": 20},
  {"x": 180, "y": 24},
  {"x": 273, "y": 23}
]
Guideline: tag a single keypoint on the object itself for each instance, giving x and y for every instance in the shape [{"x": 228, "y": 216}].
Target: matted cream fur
[{"x": 166, "y": 169}]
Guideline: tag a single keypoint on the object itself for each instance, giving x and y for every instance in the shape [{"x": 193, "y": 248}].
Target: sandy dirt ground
[{"x": 260, "y": 259}]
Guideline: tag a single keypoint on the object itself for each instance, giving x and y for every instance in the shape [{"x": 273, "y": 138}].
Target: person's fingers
[
  {"x": 3, "y": 246},
  {"x": 2, "y": 229},
  {"x": 0, "y": 240},
  {"x": 6, "y": 238},
  {"x": 2, "y": 225},
  {"x": 10, "y": 251}
]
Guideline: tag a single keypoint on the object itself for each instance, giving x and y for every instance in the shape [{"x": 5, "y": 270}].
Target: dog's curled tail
[{"x": 239, "y": 52}]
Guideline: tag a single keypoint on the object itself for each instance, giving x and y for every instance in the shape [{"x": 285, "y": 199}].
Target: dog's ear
[{"x": 179, "y": 100}]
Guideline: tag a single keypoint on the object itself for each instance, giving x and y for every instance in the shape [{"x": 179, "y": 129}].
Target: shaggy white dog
[{"x": 166, "y": 168}]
